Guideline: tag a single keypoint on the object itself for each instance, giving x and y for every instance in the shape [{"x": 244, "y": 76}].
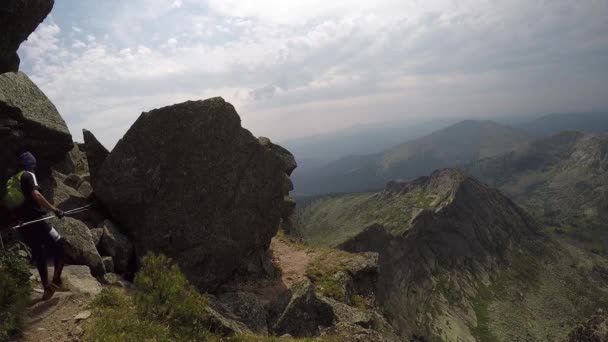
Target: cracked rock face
[
  {"x": 188, "y": 181},
  {"x": 18, "y": 19}
]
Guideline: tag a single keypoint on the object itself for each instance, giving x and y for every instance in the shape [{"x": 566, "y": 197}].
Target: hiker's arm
[{"x": 41, "y": 200}]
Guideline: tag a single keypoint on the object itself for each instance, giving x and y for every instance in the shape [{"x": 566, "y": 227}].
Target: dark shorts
[{"x": 41, "y": 242}]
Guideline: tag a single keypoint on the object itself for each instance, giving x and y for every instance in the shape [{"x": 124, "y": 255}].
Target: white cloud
[
  {"x": 176, "y": 4},
  {"x": 301, "y": 67},
  {"x": 42, "y": 42},
  {"x": 76, "y": 29},
  {"x": 172, "y": 42},
  {"x": 78, "y": 44}
]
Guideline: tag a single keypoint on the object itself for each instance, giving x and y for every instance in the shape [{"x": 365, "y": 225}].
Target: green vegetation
[
  {"x": 163, "y": 307},
  {"x": 15, "y": 289},
  {"x": 324, "y": 269},
  {"x": 329, "y": 221}
]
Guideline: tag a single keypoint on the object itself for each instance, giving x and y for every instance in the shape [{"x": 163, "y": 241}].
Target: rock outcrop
[
  {"x": 304, "y": 313},
  {"x": 18, "y": 20},
  {"x": 116, "y": 245},
  {"x": 248, "y": 308},
  {"x": 594, "y": 330},
  {"x": 188, "y": 181},
  {"x": 96, "y": 154},
  {"x": 79, "y": 245},
  {"x": 28, "y": 120}
]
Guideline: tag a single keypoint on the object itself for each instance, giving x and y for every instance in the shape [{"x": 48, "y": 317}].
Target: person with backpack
[{"x": 26, "y": 203}]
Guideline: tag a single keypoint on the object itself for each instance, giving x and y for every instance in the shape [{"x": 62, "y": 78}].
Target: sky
[{"x": 295, "y": 68}]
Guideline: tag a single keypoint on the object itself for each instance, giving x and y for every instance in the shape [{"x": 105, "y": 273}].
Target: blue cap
[{"x": 27, "y": 160}]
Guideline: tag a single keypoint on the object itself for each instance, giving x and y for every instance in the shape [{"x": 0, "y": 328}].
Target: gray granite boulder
[
  {"x": 188, "y": 181},
  {"x": 96, "y": 154},
  {"x": 79, "y": 246}
]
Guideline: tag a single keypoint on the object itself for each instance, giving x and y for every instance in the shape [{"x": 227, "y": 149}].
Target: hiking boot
[
  {"x": 49, "y": 291},
  {"x": 58, "y": 284}
]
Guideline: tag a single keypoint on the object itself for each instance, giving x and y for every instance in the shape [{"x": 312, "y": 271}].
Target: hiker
[{"x": 26, "y": 204}]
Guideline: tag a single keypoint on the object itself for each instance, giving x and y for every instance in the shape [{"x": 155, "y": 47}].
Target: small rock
[
  {"x": 77, "y": 331},
  {"x": 108, "y": 263},
  {"x": 83, "y": 315}
]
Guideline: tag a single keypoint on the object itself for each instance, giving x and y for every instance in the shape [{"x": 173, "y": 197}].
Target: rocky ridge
[{"x": 445, "y": 231}]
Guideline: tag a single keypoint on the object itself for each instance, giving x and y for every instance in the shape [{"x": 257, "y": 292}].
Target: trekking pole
[{"x": 69, "y": 212}]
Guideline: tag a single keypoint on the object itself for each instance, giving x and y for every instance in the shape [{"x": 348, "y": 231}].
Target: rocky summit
[
  {"x": 18, "y": 19},
  {"x": 188, "y": 181}
]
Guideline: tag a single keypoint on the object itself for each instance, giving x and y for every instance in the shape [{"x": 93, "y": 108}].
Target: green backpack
[{"x": 14, "y": 196}]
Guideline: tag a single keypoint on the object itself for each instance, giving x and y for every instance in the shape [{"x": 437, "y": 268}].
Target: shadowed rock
[
  {"x": 116, "y": 245},
  {"x": 18, "y": 19},
  {"x": 96, "y": 154},
  {"x": 188, "y": 181}
]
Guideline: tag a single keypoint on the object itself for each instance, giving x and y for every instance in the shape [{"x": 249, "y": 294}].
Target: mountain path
[
  {"x": 55, "y": 319},
  {"x": 291, "y": 259}
]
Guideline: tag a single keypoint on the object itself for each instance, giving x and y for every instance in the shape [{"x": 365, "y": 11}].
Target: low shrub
[
  {"x": 164, "y": 306},
  {"x": 15, "y": 289}
]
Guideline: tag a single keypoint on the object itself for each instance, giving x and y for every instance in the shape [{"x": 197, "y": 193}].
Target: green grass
[
  {"x": 482, "y": 331},
  {"x": 329, "y": 221},
  {"x": 164, "y": 306},
  {"x": 15, "y": 289},
  {"x": 323, "y": 269}
]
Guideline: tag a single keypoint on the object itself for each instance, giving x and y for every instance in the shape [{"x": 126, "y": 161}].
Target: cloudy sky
[{"x": 301, "y": 67}]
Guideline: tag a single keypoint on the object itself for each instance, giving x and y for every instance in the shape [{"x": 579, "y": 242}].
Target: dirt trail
[
  {"x": 55, "y": 320},
  {"x": 290, "y": 259}
]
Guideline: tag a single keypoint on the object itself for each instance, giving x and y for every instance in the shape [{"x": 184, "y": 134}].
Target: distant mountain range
[
  {"x": 315, "y": 151},
  {"x": 456, "y": 145},
  {"x": 562, "y": 179},
  {"x": 472, "y": 263},
  {"x": 554, "y": 123}
]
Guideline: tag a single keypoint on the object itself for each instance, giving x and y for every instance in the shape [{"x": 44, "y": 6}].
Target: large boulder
[
  {"x": 79, "y": 246},
  {"x": 305, "y": 314},
  {"x": 115, "y": 244},
  {"x": 96, "y": 154},
  {"x": 248, "y": 308},
  {"x": 29, "y": 121},
  {"x": 188, "y": 181},
  {"x": 18, "y": 19}
]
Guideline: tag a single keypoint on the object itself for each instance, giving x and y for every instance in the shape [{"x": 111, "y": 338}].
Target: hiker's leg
[
  {"x": 59, "y": 251},
  {"x": 35, "y": 244},
  {"x": 55, "y": 245},
  {"x": 39, "y": 256}
]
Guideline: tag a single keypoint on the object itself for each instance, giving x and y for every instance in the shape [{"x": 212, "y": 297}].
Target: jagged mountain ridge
[
  {"x": 456, "y": 145},
  {"x": 446, "y": 227}
]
